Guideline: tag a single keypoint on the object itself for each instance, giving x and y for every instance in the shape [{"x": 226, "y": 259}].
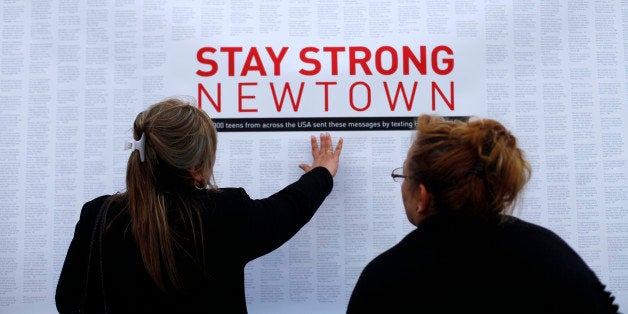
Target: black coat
[
  {"x": 236, "y": 228},
  {"x": 453, "y": 264}
]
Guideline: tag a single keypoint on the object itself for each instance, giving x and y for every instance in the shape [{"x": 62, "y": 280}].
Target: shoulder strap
[
  {"x": 102, "y": 274},
  {"x": 97, "y": 227}
]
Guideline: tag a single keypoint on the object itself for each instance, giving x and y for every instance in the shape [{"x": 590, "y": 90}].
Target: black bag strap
[
  {"x": 96, "y": 231},
  {"x": 102, "y": 273}
]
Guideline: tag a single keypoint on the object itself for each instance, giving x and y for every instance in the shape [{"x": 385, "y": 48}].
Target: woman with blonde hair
[
  {"x": 460, "y": 182},
  {"x": 173, "y": 242}
]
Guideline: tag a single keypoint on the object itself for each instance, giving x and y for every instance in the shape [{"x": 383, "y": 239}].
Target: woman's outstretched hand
[{"x": 325, "y": 155}]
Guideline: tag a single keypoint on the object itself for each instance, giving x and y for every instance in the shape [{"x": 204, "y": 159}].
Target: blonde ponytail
[{"x": 178, "y": 137}]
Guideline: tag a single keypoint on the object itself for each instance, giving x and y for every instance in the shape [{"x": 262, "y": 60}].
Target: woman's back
[
  {"x": 173, "y": 242},
  {"x": 215, "y": 284},
  {"x": 236, "y": 230},
  {"x": 456, "y": 264}
]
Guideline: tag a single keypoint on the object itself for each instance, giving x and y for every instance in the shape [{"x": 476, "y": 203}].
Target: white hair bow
[{"x": 139, "y": 145}]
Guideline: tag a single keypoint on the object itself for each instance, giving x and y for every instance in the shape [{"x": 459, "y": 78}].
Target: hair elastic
[
  {"x": 139, "y": 145},
  {"x": 478, "y": 168}
]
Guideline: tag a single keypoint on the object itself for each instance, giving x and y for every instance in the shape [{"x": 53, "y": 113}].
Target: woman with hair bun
[
  {"x": 460, "y": 182},
  {"x": 173, "y": 242}
]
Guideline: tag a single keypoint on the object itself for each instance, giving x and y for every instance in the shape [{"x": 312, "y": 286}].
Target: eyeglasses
[{"x": 397, "y": 174}]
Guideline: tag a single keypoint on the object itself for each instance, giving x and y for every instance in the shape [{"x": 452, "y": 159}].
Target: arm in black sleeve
[
  {"x": 71, "y": 285},
  {"x": 270, "y": 222}
]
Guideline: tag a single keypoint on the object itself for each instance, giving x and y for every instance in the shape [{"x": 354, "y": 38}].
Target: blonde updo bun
[{"x": 471, "y": 167}]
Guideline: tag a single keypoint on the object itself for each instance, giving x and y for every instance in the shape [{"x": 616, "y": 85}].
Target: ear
[
  {"x": 196, "y": 174},
  {"x": 424, "y": 200}
]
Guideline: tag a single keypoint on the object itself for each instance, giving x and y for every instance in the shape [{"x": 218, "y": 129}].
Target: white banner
[{"x": 74, "y": 74}]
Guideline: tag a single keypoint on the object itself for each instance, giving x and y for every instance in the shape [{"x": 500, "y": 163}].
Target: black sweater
[
  {"x": 453, "y": 264},
  {"x": 236, "y": 230}
]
